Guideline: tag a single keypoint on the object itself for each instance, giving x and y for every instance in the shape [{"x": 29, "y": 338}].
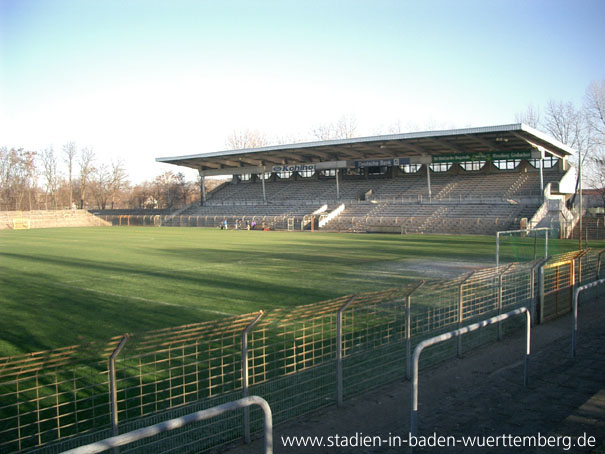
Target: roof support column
[
  {"x": 203, "y": 187},
  {"x": 337, "y": 185},
  {"x": 428, "y": 179},
  {"x": 263, "y": 183}
]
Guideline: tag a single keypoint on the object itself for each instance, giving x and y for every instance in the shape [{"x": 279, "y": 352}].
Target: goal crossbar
[
  {"x": 527, "y": 231},
  {"x": 21, "y": 223}
]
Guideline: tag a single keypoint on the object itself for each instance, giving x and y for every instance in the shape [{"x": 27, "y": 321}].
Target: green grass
[{"x": 65, "y": 286}]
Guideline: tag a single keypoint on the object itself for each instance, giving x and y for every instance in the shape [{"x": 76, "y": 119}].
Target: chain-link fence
[{"x": 299, "y": 359}]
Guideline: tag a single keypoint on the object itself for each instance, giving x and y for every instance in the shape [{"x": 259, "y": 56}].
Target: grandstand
[{"x": 478, "y": 181}]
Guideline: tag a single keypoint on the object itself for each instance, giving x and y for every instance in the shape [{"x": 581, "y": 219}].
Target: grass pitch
[{"x": 65, "y": 286}]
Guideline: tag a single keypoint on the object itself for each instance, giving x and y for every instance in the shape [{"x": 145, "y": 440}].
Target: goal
[
  {"x": 21, "y": 223},
  {"x": 524, "y": 245}
]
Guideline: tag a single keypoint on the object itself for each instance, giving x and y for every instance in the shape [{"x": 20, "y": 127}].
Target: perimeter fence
[
  {"x": 283, "y": 222},
  {"x": 377, "y": 224},
  {"x": 299, "y": 359}
]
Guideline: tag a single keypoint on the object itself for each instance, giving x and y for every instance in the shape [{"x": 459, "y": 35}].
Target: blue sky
[{"x": 140, "y": 79}]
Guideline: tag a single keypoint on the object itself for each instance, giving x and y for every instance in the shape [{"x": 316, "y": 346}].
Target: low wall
[{"x": 52, "y": 218}]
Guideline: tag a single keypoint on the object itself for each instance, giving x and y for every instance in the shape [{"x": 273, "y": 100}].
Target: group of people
[{"x": 238, "y": 225}]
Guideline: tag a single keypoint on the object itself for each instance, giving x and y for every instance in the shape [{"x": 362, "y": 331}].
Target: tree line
[
  {"x": 35, "y": 180},
  {"x": 75, "y": 178}
]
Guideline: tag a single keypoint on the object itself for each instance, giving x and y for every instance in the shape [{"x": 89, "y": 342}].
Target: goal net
[
  {"x": 526, "y": 244},
  {"x": 21, "y": 223}
]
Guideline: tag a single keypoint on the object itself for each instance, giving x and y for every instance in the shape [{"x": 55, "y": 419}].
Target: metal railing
[
  {"x": 574, "y": 318},
  {"x": 458, "y": 333},
  {"x": 176, "y": 423},
  {"x": 299, "y": 359}
]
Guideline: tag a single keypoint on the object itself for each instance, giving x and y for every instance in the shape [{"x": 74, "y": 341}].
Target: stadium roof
[{"x": 470, "y": 141}]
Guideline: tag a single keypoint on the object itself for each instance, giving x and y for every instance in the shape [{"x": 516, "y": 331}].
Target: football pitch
[{"x": 67, "y": 286}]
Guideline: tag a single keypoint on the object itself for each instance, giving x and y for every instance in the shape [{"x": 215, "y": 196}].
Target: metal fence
[
  {"x": 218, "y": 221},
  {"x": 298, "y": 359},
  {"x": 376, "y": 224}
]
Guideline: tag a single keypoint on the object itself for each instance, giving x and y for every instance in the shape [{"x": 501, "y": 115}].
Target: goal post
[
  {"x": 523, "y": 245},
  {"x": 21, "y": 223}
]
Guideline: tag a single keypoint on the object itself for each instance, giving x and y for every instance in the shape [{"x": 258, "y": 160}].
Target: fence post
[
  {"x": 534, "y": 298},
  {"x": 460, "y": 316},
  {"x": 408, "y": 337},
  {"x": 500, "y": 304},
  {"x": 500, "y": 279},
  {"x": 461, "y": 310},
  {"x": 246, "y": 420},
  {"x": 574, "y": 320},
  {"x": 541, "y": 289},
  {"x": 599, "y": 263},
  {"x": 113, "y": 392},
  {"x": 339, "y": 386},
  {"x": 408, "y": 330},
  {"x": 497, "y": 249}
]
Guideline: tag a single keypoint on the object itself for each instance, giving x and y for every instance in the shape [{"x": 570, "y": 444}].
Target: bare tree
[
  {"x": 595, "y": 108},
  {"x": 140, "y": 195},
  {"x": 239, "y": 140},
  {"x": 86, "y": 162},
  {"x": 70, "y": 151},
  {"x": 50, "y": 175},
  {"x": 171, "y": 190},
  {"x": 5, "y": 176},
  {"x": 565, "y": 123},
  {"x": 595, "y": 113},
  {"x": 15, "y": 169},
  {"x": 20, "y": 177},
  {"x": 323, "y": 132},
  {"x": 31, "y": 173},
  {"x": 395, "y": 127},
  {"x": 101, "y": 185},
  {"x": 570, "y": 126},
  {"x": 119, "y": 180},
  {"x": 530, "y": 117},
  {"x": 344, "y": 128}
]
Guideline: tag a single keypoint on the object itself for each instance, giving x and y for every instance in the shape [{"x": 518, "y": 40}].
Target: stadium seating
[{"x": 478, "y": 202}]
